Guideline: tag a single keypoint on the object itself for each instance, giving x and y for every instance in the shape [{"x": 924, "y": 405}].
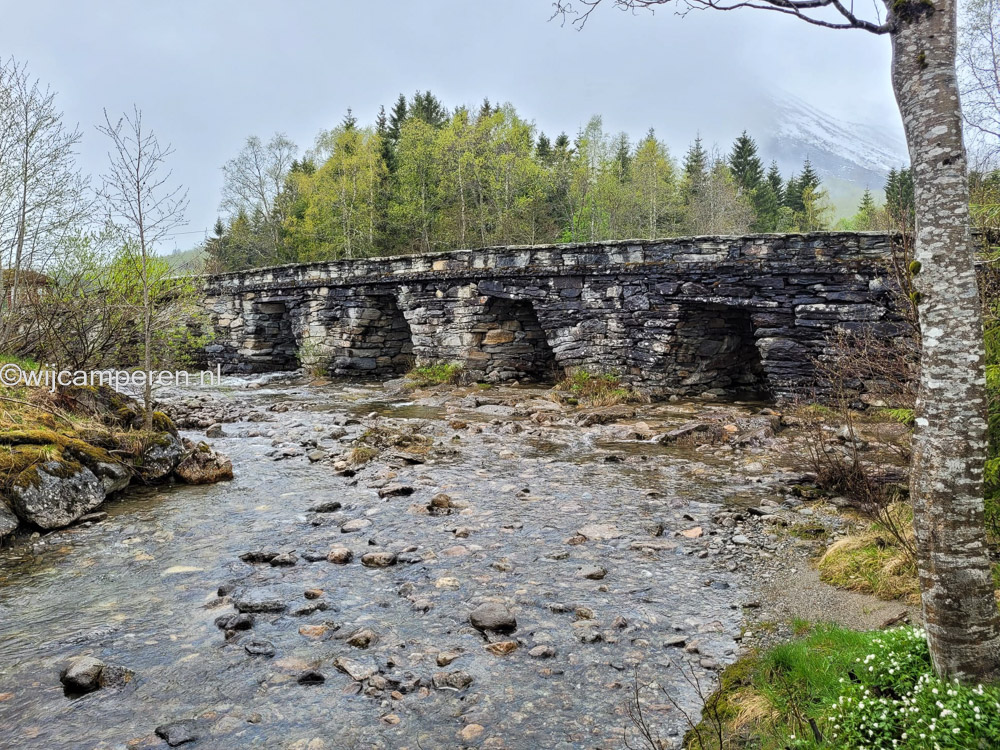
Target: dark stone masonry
[{"x": 723, "y": 315}]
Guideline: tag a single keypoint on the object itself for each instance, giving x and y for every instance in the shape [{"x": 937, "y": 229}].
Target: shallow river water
[{"x": 141, "y": 590}]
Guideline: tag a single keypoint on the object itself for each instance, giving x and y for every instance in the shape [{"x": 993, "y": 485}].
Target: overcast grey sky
[{"x": 208, "y": 73}]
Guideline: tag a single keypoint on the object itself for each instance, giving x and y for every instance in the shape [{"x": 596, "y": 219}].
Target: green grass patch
[
  {"x": 873, "y": 562},
  {"x": 590, "y": 389},
  {"x": 437, "y": 374},
  {"x": 841, "y": 688}
]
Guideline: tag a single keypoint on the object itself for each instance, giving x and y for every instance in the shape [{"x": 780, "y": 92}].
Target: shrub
[
  {"x": 437, "y": 374},
  {"x": 598, "y": 389}
]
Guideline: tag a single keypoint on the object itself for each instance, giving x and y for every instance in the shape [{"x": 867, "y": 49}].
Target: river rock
[
  {"x": 542, "y": 652},
  {"x": 340, "y": 555},
  {"x": 493, "y": 616},
  {"x": 8, "y": 521},
  {"x": 328, "y": 506},
  {"x": 395, "y": 490},
  {"x": 593, "y": 572},
  {"x": 114, "y": 477},
  {"x": 259, "y": 600},
  {"x": 378, "y": 559},
  {"x": 311, "y": 677},
  {"x": 452, "y": 680},
  {"x": 215, "y": 431},
  {"x": 203, "y": 465},
  {"x": 161, "y": 457},
  {"x": 259, "y": 647},
  {"x": 82, "y": 674},
  {"x": 178, "y": 732},
  {"x": 284, "y": 560},
  {"x": 355, "y": 670},
  {"x": 362, "y": 639},
  {"x": 239, "y": 621},
  {"x": 356, "y": 524},
  {"x": 55, "y": 493}
]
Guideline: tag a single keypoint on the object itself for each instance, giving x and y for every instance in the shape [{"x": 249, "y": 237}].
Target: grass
[
  {"x": 37, "y": 426},
  {"x": 874, "y": 562},
  {"x": 768, "y": 695},
  {"x": 437, "y": 374},
  {"x": 833, "y": 687},
  {"x": 589, "y": 389}
]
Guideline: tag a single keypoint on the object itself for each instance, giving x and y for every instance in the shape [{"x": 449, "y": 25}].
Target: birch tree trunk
[{"x": 949, "y": 445}]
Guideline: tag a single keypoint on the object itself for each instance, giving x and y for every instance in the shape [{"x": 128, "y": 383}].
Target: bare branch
[{"x": 568, "y": 9}]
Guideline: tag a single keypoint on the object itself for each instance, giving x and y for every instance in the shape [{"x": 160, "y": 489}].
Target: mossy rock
[{"x": 54, "y": 493}]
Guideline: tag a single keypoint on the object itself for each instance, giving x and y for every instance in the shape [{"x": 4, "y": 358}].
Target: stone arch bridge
[{"x": 724, "y": 315}]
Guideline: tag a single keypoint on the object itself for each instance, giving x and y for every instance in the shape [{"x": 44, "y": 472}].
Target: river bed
[{"x": 142, "y": 588}]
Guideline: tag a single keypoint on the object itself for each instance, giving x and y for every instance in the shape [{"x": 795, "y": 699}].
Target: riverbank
[
  {"x": 326, "y": 597},
  {"x": 64, "y": 452}
]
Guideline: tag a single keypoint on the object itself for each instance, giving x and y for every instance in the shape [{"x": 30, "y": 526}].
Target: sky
[{"x": 207, "y": 74}]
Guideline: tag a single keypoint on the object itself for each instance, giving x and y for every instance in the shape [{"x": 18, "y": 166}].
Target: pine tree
[
  {"x": 350, "y": 122},
  {"x": 623, "y": 158},
  {"x": 428, "y": 108},
  {"x": 396, "y": 118},
  {"x": 808, "y": 178},
  {"x": 748, "y": 171},
  {"x": 543, "y": 149},
  {"x": 696, "y": 161},
  {"x": 775, "y": 181},
  {"x": 792, "y": 195},
  {"x": 899, "y": 200}
]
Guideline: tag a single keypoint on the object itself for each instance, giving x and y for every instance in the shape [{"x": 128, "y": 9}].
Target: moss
[
  {"x": 915, "y": 264},
  {"x": 163, "y": 423}
]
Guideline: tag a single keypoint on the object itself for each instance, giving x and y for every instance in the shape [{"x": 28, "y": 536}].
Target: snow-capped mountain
[{"x": 839, "y": 150}]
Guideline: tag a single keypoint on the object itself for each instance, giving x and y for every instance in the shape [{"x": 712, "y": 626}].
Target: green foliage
[
  {"x": 592, "y": 389},
  {"x": 903, "y": 416},
  {"x": 840, "y": 688},
  {"x": 424, "y": 178},
  {"x": 436, "y": 374}
]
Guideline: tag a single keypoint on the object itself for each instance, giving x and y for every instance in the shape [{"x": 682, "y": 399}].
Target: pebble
[
  {"x": 259, "y": 647},
  {"x": 593, "y": 572},
  {"x": 378, "y": 559},
  {"x": 340, "y": 555},
  {"x": 356, "y": 524},
  {"x": 82, "y": 674},
  {"x": 542, "y": 652},
  {"x": 454, "y": 680},
  {"x": 362, "y": 639},
  {"x": 493, "y": 616},
  {"x": 471, "y": 732},
  {"x": 501, "y": 648},
  {"x": 178, "y": 732}
]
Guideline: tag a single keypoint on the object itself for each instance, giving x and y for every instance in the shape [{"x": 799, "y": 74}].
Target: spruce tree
[
  {"x": 623, "y": 158},
  {"x": 745, "y": 163},
  {"x": 350, "y": 122},
  {"x": 397, "y": 117},
  {"x": 808, "y": 178},
  {"x": 696, "y": 161},
  {"x": 775, "y": 182},
  {"x": 428, "y": 108},
  {"x": 543, "y": 149}
]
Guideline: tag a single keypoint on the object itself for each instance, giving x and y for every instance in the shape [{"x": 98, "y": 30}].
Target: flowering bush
[{"x": 892, "y": 699}]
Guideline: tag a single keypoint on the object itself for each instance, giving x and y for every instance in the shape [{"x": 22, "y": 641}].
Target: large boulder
[
  {"x": 55, "y": 493},
  {"x": 8, "y": 521},
  {"x": 164, "y": 452},
  {"x": 203, "y": 465}
]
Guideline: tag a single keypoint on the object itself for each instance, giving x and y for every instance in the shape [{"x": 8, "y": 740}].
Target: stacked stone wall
[{"x": 722, "y": 315}]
